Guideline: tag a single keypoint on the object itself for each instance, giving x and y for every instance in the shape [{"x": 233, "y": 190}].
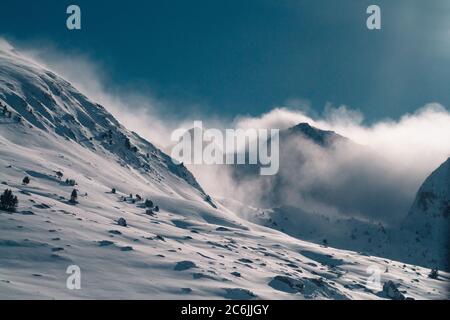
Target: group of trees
[
  {"x": 150, "y": 207},
  {"x": 71, "y": 182},
  {"x": 434, "y": 273},
  {"x": 149, "y": 204},
  {"x": 9, "y": 202}
]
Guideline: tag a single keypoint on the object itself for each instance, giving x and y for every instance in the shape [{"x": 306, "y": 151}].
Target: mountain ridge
[{"x": 39, "y": 98}]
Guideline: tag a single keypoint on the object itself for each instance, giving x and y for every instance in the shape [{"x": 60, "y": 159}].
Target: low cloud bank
[
  {"x": 417, "y": 142},
  {"x": 374, "y": 178}
]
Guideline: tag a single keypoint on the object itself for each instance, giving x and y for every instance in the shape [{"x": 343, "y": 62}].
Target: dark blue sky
[{"x": 247, "y": 56}]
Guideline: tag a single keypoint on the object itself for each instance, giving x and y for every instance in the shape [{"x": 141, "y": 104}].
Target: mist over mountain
[{"x": 321, "y": 171}]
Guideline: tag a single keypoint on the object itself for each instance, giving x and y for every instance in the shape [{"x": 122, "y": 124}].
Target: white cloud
[
  {"x": 377, "y": 179},
  {"x": 419, "y": 140}
]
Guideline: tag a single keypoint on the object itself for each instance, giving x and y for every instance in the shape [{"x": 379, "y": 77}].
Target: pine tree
[
  {"x": 148, "y": 203},
  {"x": 26, "y": 180},
  {"x": 74, "y": 196},
  {"x": 434, "y": 274},
  {"x": 8, "y": 202}
]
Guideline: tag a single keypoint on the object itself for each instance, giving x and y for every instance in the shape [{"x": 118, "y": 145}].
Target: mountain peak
[
  {"x": 321, "y": 137},
  {"x": 34, "y": 99}
]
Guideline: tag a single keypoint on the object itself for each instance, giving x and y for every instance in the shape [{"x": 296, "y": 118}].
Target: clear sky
[{"x": 247, "y": 56}]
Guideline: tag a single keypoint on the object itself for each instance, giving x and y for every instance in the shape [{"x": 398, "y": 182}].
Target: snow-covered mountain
[
  {"x": 188, "y": 247},
  {"x": 38, "y": 99},
  {"x": 429, "y": 217},
  {"x": 432, "y": 201}
]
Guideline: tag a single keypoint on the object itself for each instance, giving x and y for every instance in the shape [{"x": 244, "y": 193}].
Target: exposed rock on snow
[
  {"x": 122, "y": 222},
  {"x": 239, "y": 294},
  {"x": 184, "y": 265},
  {"x": 310, "y": 288},
  {"x": 391, "y": 291}
]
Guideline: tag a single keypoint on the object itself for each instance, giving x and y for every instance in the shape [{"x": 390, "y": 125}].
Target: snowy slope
[
  {"x": 398, "y": 242},
  {"x": 187, "y": 250}
]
